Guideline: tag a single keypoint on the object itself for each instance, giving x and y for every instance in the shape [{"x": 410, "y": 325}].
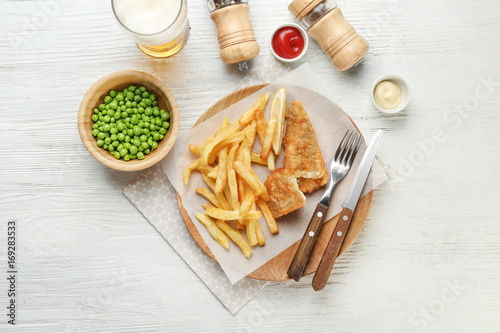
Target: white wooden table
[{"x": 428, "y": 259}]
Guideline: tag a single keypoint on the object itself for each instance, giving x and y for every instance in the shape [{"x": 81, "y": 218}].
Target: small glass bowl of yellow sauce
[{"x": 390, "y": 94}]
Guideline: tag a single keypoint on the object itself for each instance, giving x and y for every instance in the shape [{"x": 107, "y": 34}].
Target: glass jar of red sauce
[{"x": 289, "y": 42}]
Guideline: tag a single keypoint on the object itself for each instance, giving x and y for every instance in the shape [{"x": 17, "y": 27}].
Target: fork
[{"x": 341, "y": 163}]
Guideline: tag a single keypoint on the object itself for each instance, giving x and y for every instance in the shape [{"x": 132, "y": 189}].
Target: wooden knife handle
[
  {"x": 332, "y": 250},
  {"x": 306, "y": 245}
]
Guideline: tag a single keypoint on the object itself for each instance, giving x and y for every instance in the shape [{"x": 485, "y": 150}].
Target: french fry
[
  {"x": 207, "y": 205},
  {"x": 252, "y": 214},
  {"x": 255, "y": 158},
  {"x": 267, "y": 144},
  {"x": 220, "y": 196},
  {"x": 263, "y": 188},
  {"x": 247, "y": 175},
  {"x": 236, "y": 237},
  {"x": 270, "y": 161},
  {"x": 261, "y": 102},
  {"x": 233, "y": 189},
  {"x": 251, "y": 235},
  {"x": 214, "y": 172},
  {"x": 240, "y": 224},
  {"x": 230, "y": 156},
  {"x": 247, "y": 202},
  {"x": 207, "y": 150},
  {"x": 213, "y": 229},
  {"x": 241, "y": 187},
  {"x": 266, "y": 211},
  {"x": 204, "y": 169},
  {"x": 251, "y": 132},
  {"x": 261, "y": 124},
  {"x": 191, "y": 167},
  {"x": 222, "y": 214},
  {"x": 231, "y": 140},
  {"x": 195, "y": 149},
  {"x": 224, "y": 124},
  {"x": 208, "y": 195},
  {"x": 227, "y": 195},
  {"x": 260, "y": 236},
  {"x": 220, "y": 183}
]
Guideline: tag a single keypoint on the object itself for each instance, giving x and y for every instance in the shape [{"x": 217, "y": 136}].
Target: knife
[{"x": 349, "y": 205}]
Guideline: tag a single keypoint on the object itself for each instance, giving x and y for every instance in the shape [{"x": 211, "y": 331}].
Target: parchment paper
[{"x": 330, "y": 124}]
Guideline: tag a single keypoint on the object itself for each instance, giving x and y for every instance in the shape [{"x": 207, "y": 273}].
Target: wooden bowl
[{"x": 119, "y": 81}]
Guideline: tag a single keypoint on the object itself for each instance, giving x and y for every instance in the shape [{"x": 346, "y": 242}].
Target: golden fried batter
[{"x": 304, "y": 165}]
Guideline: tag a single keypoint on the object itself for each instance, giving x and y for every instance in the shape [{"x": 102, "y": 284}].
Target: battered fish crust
[{"x": 304, "y": 166}]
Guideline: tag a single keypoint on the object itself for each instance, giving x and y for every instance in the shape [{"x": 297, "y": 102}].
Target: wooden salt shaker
[
  {"x": 235, "y": 33},
  {"x": 324, "y": 22}
]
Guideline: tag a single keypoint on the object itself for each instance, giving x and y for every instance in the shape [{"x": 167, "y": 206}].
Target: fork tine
[
  {"x": 346, "y": 149},
  {"x": 341, "y": 146},
  {"x": 355, "y": 149}
]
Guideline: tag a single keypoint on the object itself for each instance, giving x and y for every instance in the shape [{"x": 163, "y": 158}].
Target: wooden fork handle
[
  {"x": 332, "y": 250},
  {"x": 307, "y": 243}
]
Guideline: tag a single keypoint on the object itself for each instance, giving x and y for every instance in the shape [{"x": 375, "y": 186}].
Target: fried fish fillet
[
  {"x": 284, "y": 193},
  {"x": 304, "y": 168}
]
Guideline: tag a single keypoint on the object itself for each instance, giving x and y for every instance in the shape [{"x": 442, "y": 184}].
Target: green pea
[
  {"x": 125, "y": 91},
  {"x": 101, "y": 117},
  {"x": 105, "y": 146},
  {"x": 137, "y": 131},
  {"x": 115, "y": 144},
  {"x": 143, "y": 138},
  {"x": 140, "y": 110},
  {"x": 133, "y": 150},
  {"x": 137, "y": 98},
  {"x": 123, "y": 107},
  {"x": 107, "y": 140},
  {"x": 141, "y": 124},
  {"x": 166, "y": 124},
  {"x": 100, "y": 143},
  {"x": 147, "y": 151},
  {"x": 152, "y": 127},
  {"x": 147, "y": 101},
  {"x": 127, "y": 145},
  {"x": 119, "y": 147},
  {"x": 148, "y": 111},
  {"x": 112, "y": 93},
  {"x": 130, "y": 96},
  {"x": 140, "y": 155},
  {"x": 133, "y": 156},
  {"x": 134, "y": 120},
  {"x": 134, "y": 104},
  {"x": 95, "y": 126},
  {"x": 140, "y": 148},
  {"x": 164, "y": 115},
  {"x": 117, "y": 155},
  {"x": 127, "y": 138},
  {"x": 158, "y": 122},
  {"x": 131, "y": 88},
  {"x": 121, "y": 137},
  {"x": 121, "y": 103},
  {"x": 142, "y": 89},
  {"x": 118, "y": 115},
  {"x": 152, "y": 97},
  {"x": 162, "y": 131},
  {"x": 156, "y": 136},
  {"x": 95, "y": 117},
  {"x": 113, "y": 137},
  {"x": 145, "y": 130},
  {"x": 130, "y": 132},
  {"x": 126, "y": 157},
  {"x": 154, "y": 145},
  {"x": 113, "y": 130},
  {"x": 111, "y": 148},
  {"x": 155, "y": 103},
  {"x": 145, "y": 145},
  {"x": 123, "y": 152},
  {"x": 101, "y": 107},
  {"x": 95, "y": 132},
  {"x": 162, "y": 136},
  {"x": 156, "y": 113},
  {"x": 119, "y": 97},
  {"x": 120, "y": 126},
  {"x": 101, "y": 135},
  {"x": 113, "y": 105},
  {"x": 125, "y": 115},
  {"x": 107, "y": 99}
]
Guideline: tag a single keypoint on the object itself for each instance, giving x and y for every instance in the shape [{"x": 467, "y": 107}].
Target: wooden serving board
[{"x": 276, "y": 268}]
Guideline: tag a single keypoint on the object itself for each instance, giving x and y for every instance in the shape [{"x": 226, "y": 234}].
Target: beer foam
[{"x": 147, "y": 16}]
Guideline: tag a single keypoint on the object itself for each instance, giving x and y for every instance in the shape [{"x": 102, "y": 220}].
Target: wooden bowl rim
[{"x": 149, "y": 160}]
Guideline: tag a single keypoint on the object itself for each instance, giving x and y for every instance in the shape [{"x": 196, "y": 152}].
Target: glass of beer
[{"x": 160, "y": 28}]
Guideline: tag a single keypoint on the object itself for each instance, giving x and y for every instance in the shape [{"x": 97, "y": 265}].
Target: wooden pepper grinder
[
  {"x": 235, "y": 33},
  {"x": 324, "y": 22}
]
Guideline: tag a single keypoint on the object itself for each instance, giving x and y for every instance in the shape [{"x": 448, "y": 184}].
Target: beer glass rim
[{"x": 142, "y": 34}]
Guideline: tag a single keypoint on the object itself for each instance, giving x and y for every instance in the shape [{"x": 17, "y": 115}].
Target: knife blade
[{"x": 349, "y": 205}]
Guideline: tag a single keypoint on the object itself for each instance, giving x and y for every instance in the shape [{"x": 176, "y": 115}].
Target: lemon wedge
[{"x": 277, "y": 112}]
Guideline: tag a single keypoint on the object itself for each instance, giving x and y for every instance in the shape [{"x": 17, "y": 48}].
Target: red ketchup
[{"x": 288, "y": 42}]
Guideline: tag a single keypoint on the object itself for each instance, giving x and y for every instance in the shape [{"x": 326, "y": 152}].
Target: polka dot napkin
[{"x": 154, "y": 196}]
